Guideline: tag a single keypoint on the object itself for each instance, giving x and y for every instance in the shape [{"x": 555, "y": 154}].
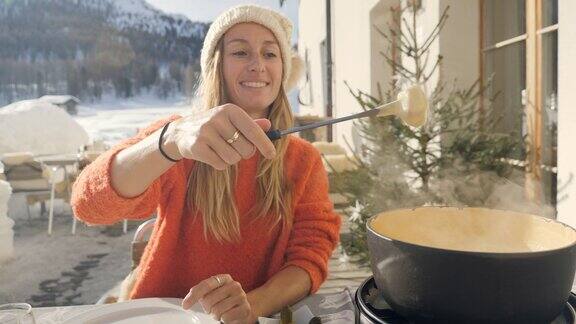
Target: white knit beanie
[{"x": 277, "y": 23}]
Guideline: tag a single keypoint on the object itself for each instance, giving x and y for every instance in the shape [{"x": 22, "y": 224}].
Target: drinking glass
[{"x": 16, "y": 313}]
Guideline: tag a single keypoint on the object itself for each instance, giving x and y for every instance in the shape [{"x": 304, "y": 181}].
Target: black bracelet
[{"x": 160, "y": 143}]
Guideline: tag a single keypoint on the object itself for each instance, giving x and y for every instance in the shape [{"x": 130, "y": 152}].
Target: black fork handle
[{"x": 274, "y": 134}]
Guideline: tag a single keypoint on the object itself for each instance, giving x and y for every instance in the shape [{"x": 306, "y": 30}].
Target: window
[
  {"x": 547, "y": 36},
  {"x": 519, "y": 39},
  {"x": 504, "y": 60}
]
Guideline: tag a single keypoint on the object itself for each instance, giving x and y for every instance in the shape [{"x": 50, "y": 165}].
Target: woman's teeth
[{"x": 253, "y": 84}]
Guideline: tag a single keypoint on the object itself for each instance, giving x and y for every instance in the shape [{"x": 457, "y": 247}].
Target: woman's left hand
[{"x": 222, "y": 297}]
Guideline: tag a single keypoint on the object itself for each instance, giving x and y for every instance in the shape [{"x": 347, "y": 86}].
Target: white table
[
  {"x": 58, "y": 159},
  {"x": 49, "y": 315},
  {"x": 68, "y": 163},
  {"x": 336, "y": 307}
]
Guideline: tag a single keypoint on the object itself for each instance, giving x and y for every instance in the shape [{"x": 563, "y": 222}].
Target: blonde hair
[{"x": 211, "y": 192}]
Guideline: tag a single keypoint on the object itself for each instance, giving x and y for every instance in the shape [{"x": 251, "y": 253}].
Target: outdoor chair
[
  {"x": 335, "y": 157},
  {"x": 23, "y": 172},
  {"x": 89, "y": 153},
  {"x": 25, "y": 176},
  {"x": 141, "y": 238},
  {"x": 121, "y": 290},
  {"x": 57, "y": 175},
  {"x": 38, "y": 182},
  {"x": 41, "y": 181},
  {"x": 335, "y": 160}
]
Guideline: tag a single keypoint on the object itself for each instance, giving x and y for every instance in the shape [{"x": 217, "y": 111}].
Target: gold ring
[
  {"x": 219, "y": 280},
  {"x": 233, "y": 138}
]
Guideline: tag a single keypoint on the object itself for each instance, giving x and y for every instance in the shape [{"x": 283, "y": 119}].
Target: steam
[{"x": 489, "y": 190}]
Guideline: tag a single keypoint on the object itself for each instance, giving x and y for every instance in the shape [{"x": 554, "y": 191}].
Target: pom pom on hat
[
  {"x": 277, "y": 23},
  {"x": 296, "y": 72}
]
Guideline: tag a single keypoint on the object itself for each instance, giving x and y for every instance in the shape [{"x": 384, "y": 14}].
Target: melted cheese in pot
[{"x": 473, "y": 229}]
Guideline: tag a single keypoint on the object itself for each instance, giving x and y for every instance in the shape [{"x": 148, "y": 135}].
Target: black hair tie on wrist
[{"x": 160, "y": 143}]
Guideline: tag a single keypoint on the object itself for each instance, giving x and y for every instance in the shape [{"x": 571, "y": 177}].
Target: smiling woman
[
  {"x": 252, "y": 67},
  {"x": 242, "y": 233}
]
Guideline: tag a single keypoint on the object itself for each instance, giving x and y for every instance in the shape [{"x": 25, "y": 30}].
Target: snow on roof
[
  {"x": 58, "y": 100},
  {"x": 39, "y": 127}
]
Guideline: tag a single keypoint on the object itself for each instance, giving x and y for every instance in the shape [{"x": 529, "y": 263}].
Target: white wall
[
  {"x": 312, "y": 31},
  {"x": 352, "y": 60},
  {"x": 380, "y": 17},
  {"x": 354, "y": 54},
  {"x": 566, "y": 109},
  {"x": 460, "y": 42}
]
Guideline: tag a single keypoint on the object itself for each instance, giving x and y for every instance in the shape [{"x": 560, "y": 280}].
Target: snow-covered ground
[{"x": 114, "y": 120}]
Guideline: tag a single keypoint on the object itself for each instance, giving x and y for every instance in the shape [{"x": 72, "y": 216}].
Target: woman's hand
[
  {"x": 220, "y": 137},
  {"x": 222, "y": 297}
]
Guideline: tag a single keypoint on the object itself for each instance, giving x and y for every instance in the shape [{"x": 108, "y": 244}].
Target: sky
[{"x": 207, "y": 10}]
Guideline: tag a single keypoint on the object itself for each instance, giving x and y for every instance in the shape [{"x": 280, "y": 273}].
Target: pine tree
[{"x": 456, "y": 159}]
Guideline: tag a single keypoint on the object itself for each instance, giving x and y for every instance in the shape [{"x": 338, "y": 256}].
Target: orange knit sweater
[{"x": 178, "y": 256}]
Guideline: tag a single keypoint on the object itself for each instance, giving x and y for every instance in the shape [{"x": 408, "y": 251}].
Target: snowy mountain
[
  {"x": 141, "y": 15},
  {"x": 63, "y": 28},
  {"x": 88, "y": 48}
]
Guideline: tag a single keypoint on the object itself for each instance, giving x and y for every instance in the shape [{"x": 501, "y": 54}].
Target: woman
[{"x": 244, "y": 225}]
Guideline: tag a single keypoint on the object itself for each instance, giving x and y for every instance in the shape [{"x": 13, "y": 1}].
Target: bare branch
[
  {"x": 412, "y": 36},
  {"x": 436, "y": 65},
  {"x": 401, "y": 45},
  {"x": 433, "y": 35}
]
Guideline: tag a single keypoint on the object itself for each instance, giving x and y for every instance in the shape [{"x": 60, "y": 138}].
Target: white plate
[{"x": 144, "y": 311}]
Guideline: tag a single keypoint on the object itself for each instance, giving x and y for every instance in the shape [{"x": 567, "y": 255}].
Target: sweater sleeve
[
  {"x": 316, "y": 228},
  {"x": 96, "y": 202}
]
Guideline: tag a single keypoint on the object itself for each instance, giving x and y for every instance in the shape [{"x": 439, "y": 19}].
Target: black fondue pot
[{"x": 473, "y": 265}]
